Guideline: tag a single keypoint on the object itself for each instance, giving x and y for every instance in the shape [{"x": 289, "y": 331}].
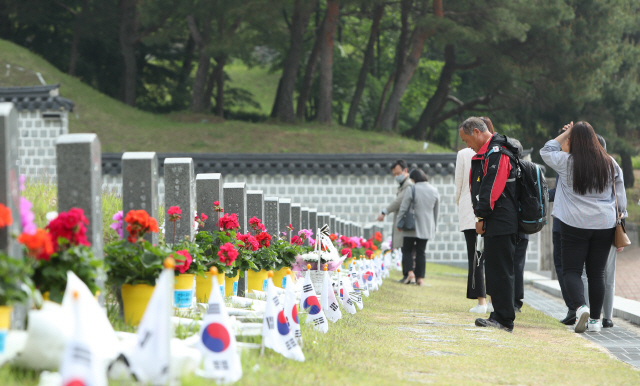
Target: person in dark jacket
[{"x": 493, "y": 195}]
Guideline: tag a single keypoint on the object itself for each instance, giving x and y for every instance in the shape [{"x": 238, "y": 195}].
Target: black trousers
[
  {"x": 499, "y": 252},
  {"x": 587, "y": 248},
  {"x": 477, "y": 291},
  {"x": 557, "y": 262},
  {"x": 420, "y": 245},
  {"x": 518, "y": 271}
]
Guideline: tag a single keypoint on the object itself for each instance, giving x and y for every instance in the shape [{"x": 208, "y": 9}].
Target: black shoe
[
  {"x": 402, "y": 280},
  {"x": 517, "y": 309},
  {"x": 570, "y": 319},
  {"x": 607, "y": 323},
  {"x": 492, "y": 323}
]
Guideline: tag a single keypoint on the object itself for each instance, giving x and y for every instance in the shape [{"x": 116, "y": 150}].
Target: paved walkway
[
  {"x": 628, "y": 273},
  {"x": 621, "y": 342}
]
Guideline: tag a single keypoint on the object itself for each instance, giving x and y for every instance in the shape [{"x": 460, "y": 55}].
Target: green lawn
[
  {"x": 408, "y": 334},
  {"x": 123, "y": 128}
]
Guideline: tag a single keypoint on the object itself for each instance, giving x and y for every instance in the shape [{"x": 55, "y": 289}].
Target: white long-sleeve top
[{"x": 466, "y": 216}]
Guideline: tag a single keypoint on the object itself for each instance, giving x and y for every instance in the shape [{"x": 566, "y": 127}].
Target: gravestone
[
  {"x": 296, "y": 218},
  {"x": 313, "y": 221},
  {"x": 235, "y": 201},
  {"x": 332, "y": 224},
  {"x": 79, "y": 171},
  {"x": 304, "y": 221},
  {"x": 271, "y": 218},
  {"x": 208, "y": 191},
  {"x": 367, "y": 232},
  {"x": 9, "y": 177},
  {"x": 284, "y": 216},
  {"x": 323, "y": 219},
  {"x": 140, "y": 187},
  {"x": 255, "y": 206},
  {"x": 179, "y": 191}
]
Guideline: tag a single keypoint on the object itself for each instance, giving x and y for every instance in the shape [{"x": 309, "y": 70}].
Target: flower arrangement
[{"x": 220, "y": 248}]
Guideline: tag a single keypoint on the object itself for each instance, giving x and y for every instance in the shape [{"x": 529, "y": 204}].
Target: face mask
[{"x": 400, "y": 178}]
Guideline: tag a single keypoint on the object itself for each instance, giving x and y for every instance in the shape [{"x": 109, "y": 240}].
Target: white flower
[{"x": 50, "y": 216}]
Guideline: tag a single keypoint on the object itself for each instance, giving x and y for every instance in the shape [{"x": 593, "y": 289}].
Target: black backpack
[{"x": 533, "y": 194}]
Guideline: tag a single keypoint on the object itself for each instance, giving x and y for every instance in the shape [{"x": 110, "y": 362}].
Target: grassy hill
[{"x": 123, "y": 128}]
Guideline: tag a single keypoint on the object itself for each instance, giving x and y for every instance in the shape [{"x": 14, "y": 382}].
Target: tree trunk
[
  {"x": 439, "y": 99},
  {"x": 283, "y": 104},
  {"x": 378, "y": 11},
  {"x": 401, "y": 49},
  {"x": 309, "y": 72},
  {"x": 187, "y": 64},
  {"x": 325, "y": 105},
  {"x": 128, "y": 40},
  {"x": 627, "y": 169},
  {"x": 77, "y": 25},
  {"x": 383, "y": 98},
  {"x": 199, "y": 83},
  {"x": 219, "y": 73},
  {"x": 208, "y": 94}
]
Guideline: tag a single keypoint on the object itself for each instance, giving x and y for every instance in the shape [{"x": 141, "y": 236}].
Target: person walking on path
[
  {"x": 590, "y": 185},
  {"x": 425, "y": 200},
  {"x": 493, "y": 196},
  {"x": 401, "y": 174},
  {"x": 467, "y": 225}
]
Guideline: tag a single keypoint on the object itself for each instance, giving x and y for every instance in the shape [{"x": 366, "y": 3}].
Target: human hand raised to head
[{"x": 567, "y": 127}]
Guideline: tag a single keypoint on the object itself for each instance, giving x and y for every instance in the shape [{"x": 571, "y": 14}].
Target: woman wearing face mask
[
  {"x": 590, "y": 186},
  {"x": 425, "y": 201}
]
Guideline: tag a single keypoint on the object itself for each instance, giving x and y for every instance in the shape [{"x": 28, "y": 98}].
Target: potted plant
[
  {"x": 133, "y": 265},
  {"x": 286, "y": 253},
  {"x": 258, "y": 261},
  {"x": 62, "y": 246}
]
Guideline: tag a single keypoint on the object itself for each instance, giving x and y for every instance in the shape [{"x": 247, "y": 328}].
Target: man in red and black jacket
[{"x": 492, "y": 182}]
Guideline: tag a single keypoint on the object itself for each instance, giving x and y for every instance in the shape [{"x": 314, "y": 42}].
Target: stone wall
[{"x": 38, "y": 133}]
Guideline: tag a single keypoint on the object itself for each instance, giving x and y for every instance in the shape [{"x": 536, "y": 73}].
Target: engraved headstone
[
  {"x": 368, "y": 232},
  {"x": 179, "y": 181},
  {"x": 208, "y": 191},
  {"x": 235, "y": 201},
  {"x": 313, "y": 221},
  {"x": 271, "y": 218},
  {"x": 255, "y": 206},
  {"x": 9, "y": 177},
  {"x": 296, "y": 218},
  {"x": 140, "y": 187},
  {"x": 304, "y": 217},
  {"x": 284, "y": 216},
  {"x": 332, "y": 224},
  {"x": 323, "y": 219}
]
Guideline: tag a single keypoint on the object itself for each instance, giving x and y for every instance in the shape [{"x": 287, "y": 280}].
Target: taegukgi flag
[
  {"x": 276, "y": 331},
  {"x": 356, "y": 295},
  {"x": 217, "y": 341},
  {"x": 345, "y": 293},
  {"x": 311, "y": 304},
  {"x": 291, "y": 312},
  {"x": 328, "y": 300}
]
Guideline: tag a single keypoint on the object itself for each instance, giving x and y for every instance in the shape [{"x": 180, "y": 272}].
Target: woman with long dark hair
[{"x": 590, "y": 185}]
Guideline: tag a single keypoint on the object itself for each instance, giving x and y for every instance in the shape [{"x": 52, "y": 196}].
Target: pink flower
[
  {"x": 174, "y": 213},
  {"x": 228, "y": 254},
  {"x": 28, "y": 218},
  {"x": 22, "y": 180},
  {"x": 216, "y": 203},
  {"x": 296, "y": 240},
  {"x": 346, "y": 251},
  {"x": 182, "y": 265},
  {"x": 228, "y": 222},
  {"x": 117, "y": 225}
]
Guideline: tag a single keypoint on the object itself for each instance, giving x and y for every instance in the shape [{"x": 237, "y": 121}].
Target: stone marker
[
  {"x": 313, "y": 221},
  {"x": 323, "y": 219},
  {"x": 9, "y": 177},
  {"x": 284, "y": 216},
  {"x": 140, "y": 187},
  {"x": 271, "y": 218},
  {"x": 332, "y": 224},
  {"x": 255, "y": 206},
  {"x": 208, "y": 191},
  {"x": 304, "y": 221},
  {"x": 340, "y": 225},
  {"x": 368, "y": 232},
  {"x": 179, "y": 190},
  {"x": 235, "y": 201},
  {"x": 79, "y": 173},
  {"x": 296, "y": 218}
]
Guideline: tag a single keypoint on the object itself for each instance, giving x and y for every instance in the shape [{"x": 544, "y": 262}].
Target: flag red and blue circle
[
  {"x": 283, "y": 326},
  {"x": 294, "y": 313},
  {"x": 215, "y": 337},
  {"x": 312, "y": 304},
  {"x": 369, "y": 276},
  {"x": 75, "y": 382}
]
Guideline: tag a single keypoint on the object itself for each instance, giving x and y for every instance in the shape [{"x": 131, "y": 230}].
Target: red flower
[
  {"x": 295, "y": 240},
  {"x": 217, "y": 207},
  {"x": 378, "y": 236},
  {"x": 139, "y": 224},
  {"x": 70, "y": 226},
  {"x": 290, "y": 227},
  {"x": 333, "y": 237},
  {"x": 228, "y": 254},
  {"x": 368, "y": 253},
  {"x": 39, "y": 244},
  {"x": 204, "y": 217},
  {"x": 174, "y": 213},
  {"x": 183, "y": 264},
  {"x": 229, "y": 222},
  {"x": 249, "y": 241},
  {"x": 263, "y": 239},
  {"x": 256, "y": 224},
  {"x": 5, "y": 216},
  {"x": 216, "y": 203},
  {"x": 346, "y": 251}
]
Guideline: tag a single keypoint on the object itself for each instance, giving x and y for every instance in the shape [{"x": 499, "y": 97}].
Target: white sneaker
[
  {"x": 582, "y": 319},
  {"x": 489, "y": 307},
  {"x": 479, "y": 309},
  {"x": 594, "y": 325}
]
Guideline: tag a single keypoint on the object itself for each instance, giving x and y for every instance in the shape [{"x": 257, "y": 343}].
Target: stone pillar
[
  {"x": 79, "y": 173},
  {"x": 284, "y": 216},
  {"x": 296, "y": 218},
  {"x": 255, "y": 206},
  {"x": 271, "y": 218},
  {"x": 323, "y": 218},
  {"x": 208, "y": 191},
  {"x": 368, "y": 232},
  {"x": 9, "y": 177},
  {"x": 332, "y": 224},
  {"x": 339, "y": 226},
  {"x": 140, "y": 187},
  {"x": 235, "y": 201},
  {"x": 313, "y": 221},
  {"x": 304, "y": 217},
  {"x": 179, "y": 190}
]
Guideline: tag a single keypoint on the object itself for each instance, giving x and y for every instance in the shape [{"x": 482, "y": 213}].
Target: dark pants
[
  {"x": 474, "y": 291},
  {"x": 587, "y": 248},
  {"x": 557, "y": 261},
  {"x": 499, "y": 252},
  {"x": 408, "y": 245},
  {"x": 518, "y": 271}
]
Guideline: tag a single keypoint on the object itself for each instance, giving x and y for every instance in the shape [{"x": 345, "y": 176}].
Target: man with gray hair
[{"x": 494, "y": 198}]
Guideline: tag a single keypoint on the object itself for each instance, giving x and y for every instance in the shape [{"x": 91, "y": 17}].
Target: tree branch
[
  {"x": 193, "y": 29},
  {"x": 286, "y": 18},
  {"x": 63, "y": 5},
  {"x": 483, "y": 100},
  {"x": 468, "y": 66}
]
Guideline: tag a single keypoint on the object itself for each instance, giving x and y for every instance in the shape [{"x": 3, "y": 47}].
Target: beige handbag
[{"x": 621, "y": 239}]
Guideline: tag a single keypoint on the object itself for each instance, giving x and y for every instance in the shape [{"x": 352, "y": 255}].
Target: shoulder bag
[
  {"x": 408, "y": 221},
  {"x": 621, "y": 239}
]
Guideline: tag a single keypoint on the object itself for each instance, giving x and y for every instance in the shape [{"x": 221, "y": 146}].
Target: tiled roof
[{"x": 36, "y": 98}]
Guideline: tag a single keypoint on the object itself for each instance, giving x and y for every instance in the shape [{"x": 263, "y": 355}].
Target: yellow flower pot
[
  {"x": 231, "y": 285},
  {"x": 203, "y": 286},
  {"x": 134, "y": 300},
  {"x": 346, "y": 263},
  {"x": 257, "y": 280},
  {"x": 183, "y": 291},
  {"x": 5, "y": 317},
  {"x": 281, "y": 279}
]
